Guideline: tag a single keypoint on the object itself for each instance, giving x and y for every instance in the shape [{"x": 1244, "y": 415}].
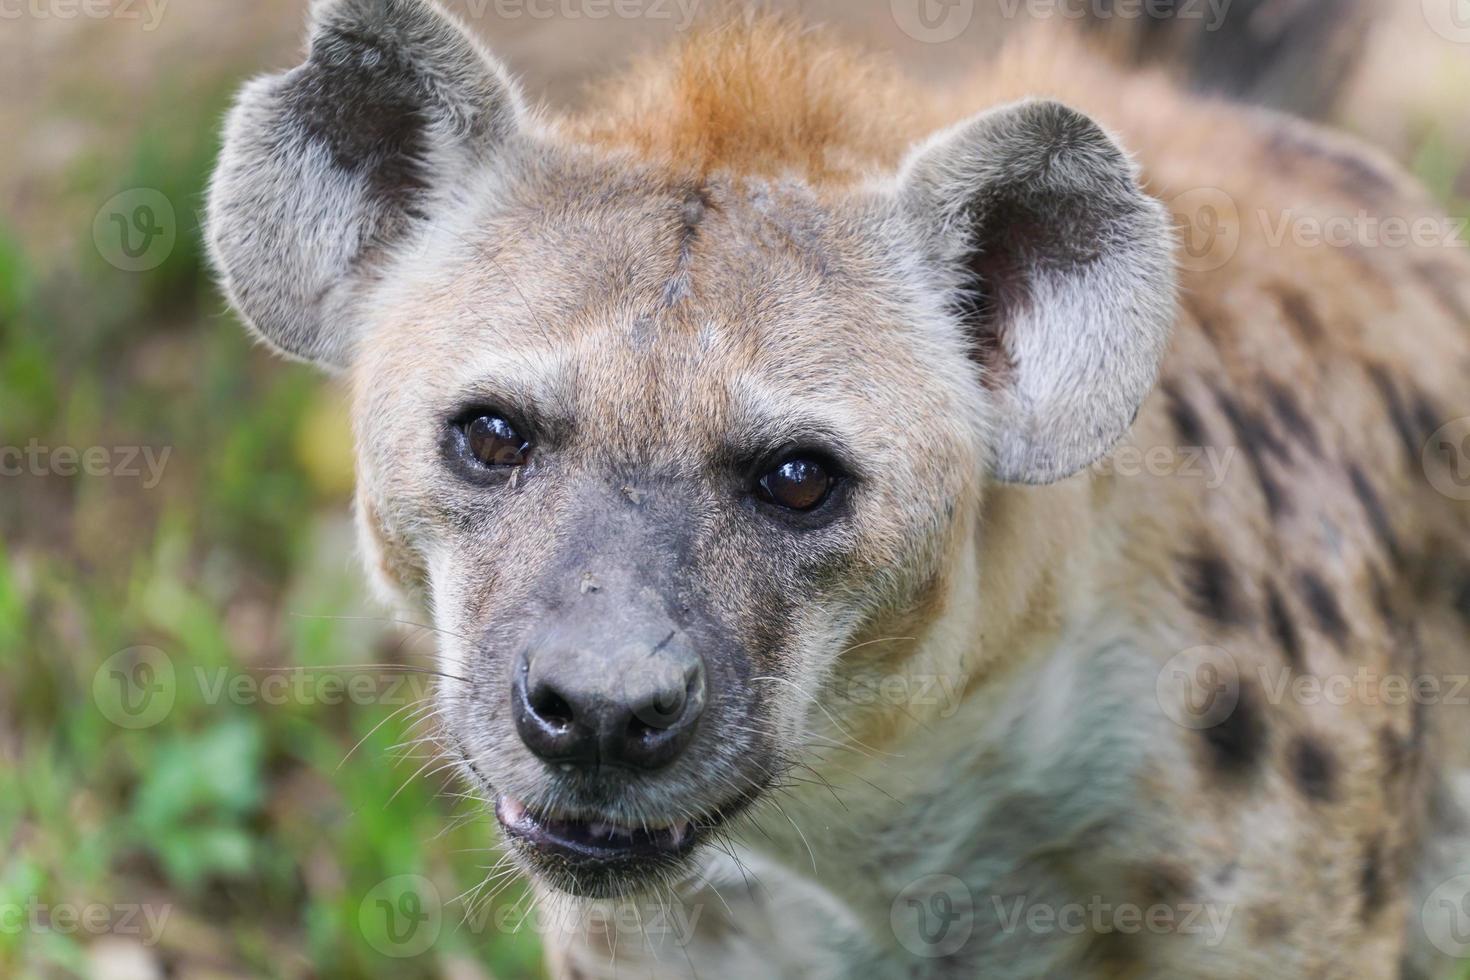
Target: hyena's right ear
[{"x": 329, "y": 167}]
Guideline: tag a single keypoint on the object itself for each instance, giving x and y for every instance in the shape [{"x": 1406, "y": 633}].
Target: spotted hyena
[{"x": 862, "y": 543}]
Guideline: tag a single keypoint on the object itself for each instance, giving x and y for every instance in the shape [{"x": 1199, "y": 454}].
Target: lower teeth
[{"x": 514, "y": 812}]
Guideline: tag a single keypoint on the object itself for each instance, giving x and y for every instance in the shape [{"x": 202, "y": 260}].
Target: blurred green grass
[{"x": 235, "y": 816}]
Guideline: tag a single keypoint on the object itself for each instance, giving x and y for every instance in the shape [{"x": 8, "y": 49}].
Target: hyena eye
[
  {"x": 494, "y": 442},
  {"x": 800, "y": 484}
]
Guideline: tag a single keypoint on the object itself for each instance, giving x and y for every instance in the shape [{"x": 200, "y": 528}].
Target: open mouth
[{"x": 592, "y": 842}]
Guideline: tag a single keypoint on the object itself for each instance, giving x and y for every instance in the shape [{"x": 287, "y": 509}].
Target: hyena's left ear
[
  {"x": 329, "y": 168},
  {"x": 1062, "y": 273}
]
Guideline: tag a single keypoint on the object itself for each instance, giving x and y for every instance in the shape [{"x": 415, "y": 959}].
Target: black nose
[{"x": 636, "y": 706}]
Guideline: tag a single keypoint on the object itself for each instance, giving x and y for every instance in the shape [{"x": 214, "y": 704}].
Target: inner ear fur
[{"x": 1061, "y": 273}]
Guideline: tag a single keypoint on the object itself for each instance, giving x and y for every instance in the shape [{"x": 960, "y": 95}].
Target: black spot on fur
[
  {"x": 1395, "y": 754},
  {"x": 1294, "y": 57},
  {"x": 1259, "y": 443},
  {"x": 1282, "y": 626},
  {"x": 1238, "y": 742},
  {"x": 1314, "y": 768},
  {"x": 1271, "y": 491},
  {"x": 1187, "y": 422},
  {"x": 1208, "y": 318},
  {"x": 1213, "y": 591},
  {"x": 1409, "y": 970},
  {"x": 1293, "y": 419},
  {"x": 1462, "y": 601},
  {"x": 1419, "y": 720},
  {"x": 1300, "y": 314},
  {"x": 1107, "y": 954},
  {"x": 1255, "y": 435},
  {"x": 1427, "y": 418},
  {"x": 1383, "y": 599},
  {"x": 1163, "y": 883},
  {"x": 1406, "y": 422},
  {"x": 1324, "y": 607},
  {"x": 1377, "y": 514},
  {"x": 1371, "y": 881},
  {"x": 1353, "y": 174}
]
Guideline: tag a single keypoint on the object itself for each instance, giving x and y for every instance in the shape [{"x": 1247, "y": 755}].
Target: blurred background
[{"x": 208, "y": 764}]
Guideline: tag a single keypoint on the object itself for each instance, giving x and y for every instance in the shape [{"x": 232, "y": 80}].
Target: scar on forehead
[
  {"x": 692, "y": 210},
  {"x": 696, "y": 204}
]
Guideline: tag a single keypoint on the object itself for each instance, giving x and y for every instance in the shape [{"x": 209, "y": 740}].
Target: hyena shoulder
[{"x": 1287, "y": 522}]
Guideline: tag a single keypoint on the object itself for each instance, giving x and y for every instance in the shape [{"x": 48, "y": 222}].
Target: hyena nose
[{"x": 637, "y": 708}]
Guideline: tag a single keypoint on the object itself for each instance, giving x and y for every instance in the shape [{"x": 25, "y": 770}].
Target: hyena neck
[{"x": 948, "y": 778}]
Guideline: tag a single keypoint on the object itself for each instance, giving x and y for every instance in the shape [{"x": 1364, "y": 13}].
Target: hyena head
[{"x": 659, "y": 446}]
